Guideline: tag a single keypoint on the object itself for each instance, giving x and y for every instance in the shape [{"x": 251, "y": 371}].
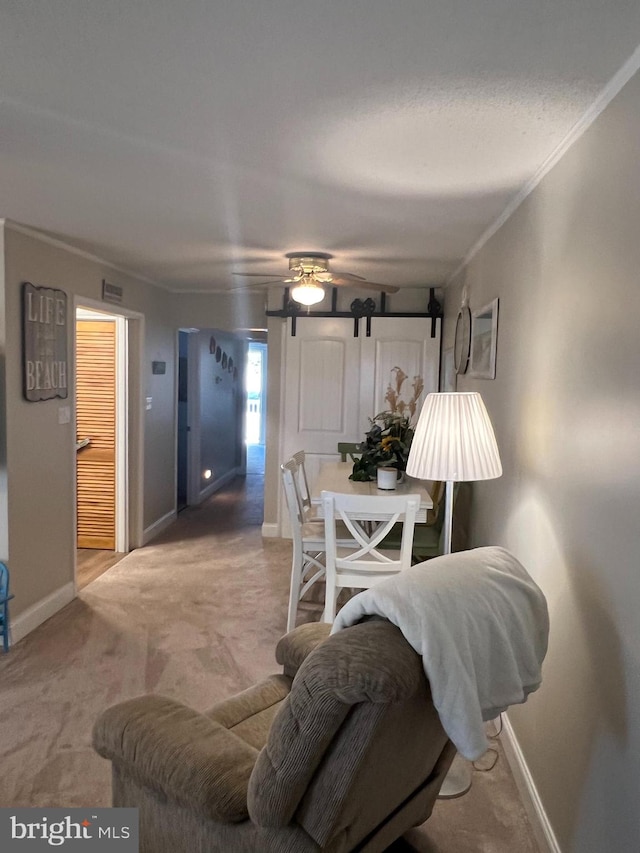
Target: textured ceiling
[{"x": 186, "y": 139}]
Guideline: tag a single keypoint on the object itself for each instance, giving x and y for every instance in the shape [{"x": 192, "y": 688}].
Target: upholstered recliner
[{"x": 344, "y": 751}]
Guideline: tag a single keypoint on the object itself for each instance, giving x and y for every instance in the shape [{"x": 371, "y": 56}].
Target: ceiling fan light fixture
[
  {"x": 307, "y": 293},
  {"x": 309, "y": 271}
]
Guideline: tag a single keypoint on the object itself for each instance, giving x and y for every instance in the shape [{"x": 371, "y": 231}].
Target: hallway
[{"x": 196, "y": 616}]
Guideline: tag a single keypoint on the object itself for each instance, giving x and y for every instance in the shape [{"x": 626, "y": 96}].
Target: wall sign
[
  {"x": 111, "y": 292},
  {"x": 44, "y": 335}
]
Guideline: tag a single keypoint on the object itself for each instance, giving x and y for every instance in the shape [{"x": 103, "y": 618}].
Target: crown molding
[
  {"x": 74, "y": 250},
  {"x": 607, "y": 94},
  {"x": 234, "y": 292}
]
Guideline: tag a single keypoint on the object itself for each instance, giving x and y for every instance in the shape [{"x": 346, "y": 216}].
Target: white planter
[{"x": 387, "y": 478}]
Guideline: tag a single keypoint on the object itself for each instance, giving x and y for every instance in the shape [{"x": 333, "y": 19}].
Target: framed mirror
[
  {"x": 484, "y": 340},
  {"x": 462, "y": 343}
]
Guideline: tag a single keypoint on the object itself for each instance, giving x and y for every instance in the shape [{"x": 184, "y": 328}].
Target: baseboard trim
[
  {"x": 39, "y": 612},
  {"x": 158, "y": 526},
  {"x": 167, "y": 520},
  {"x": 212, "y": 488},
  {"x": 270, "y": 530},
  {"x": 545, "y": 835}
]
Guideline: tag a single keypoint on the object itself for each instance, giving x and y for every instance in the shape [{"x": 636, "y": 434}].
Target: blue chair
[{"x": 5, "y": 598}]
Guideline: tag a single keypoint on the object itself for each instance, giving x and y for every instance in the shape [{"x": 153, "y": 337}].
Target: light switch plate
[
  {"x": 64, "y": 415},
  {"x": 148, "y": 402}
]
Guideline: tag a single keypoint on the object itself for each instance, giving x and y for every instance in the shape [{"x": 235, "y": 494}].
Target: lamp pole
[{"x": 454, "y": 442}]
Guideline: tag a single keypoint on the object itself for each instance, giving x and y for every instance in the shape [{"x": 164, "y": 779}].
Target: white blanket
[{"x": 480, "y": 624}]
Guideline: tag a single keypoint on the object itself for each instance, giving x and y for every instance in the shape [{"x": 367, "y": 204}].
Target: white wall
[
  {"x": 566, "y": 409},
  {"x": 410, "y": 300}
]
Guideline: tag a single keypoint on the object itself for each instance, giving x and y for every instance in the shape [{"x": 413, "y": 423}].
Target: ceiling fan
[{"x": 309, "y": 271}]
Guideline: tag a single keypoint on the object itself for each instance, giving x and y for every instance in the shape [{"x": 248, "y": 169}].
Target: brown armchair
[{"x": 344, "y": 751}]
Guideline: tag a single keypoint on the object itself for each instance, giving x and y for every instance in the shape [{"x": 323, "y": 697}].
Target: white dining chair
[
  {"x": 304, "y": 492},
  {"x": 307, "y": 564},
  {"x": 368, "y": 518}
]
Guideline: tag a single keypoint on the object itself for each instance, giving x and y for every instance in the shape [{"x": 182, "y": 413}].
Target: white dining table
[{"x": 334, "y": 477}]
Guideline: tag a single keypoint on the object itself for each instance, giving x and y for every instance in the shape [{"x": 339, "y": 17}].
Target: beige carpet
[{"x": 194, "y": 615}]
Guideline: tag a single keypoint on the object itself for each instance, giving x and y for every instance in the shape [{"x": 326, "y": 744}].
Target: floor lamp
[{"x": 454, "y": 441}]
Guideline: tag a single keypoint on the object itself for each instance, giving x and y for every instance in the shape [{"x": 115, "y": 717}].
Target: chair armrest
[
  {"x": 294, "y": 647},
  {"x": 179, "y": 753}
]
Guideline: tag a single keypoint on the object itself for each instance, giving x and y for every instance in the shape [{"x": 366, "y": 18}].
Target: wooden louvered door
[{"x": 96, "y": 420}]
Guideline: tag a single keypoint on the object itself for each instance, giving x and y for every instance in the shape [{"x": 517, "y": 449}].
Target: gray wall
[
  {"x": 566, "y": 409},
  {"x": 4, "y": 531},
  {"x": 160, "y": 420},
  {"x": 37, "y": 489},
  {"x": 239, "y": 311},
  {"x": 40, "y": 451},
  {"x": 221, "y": 395}
]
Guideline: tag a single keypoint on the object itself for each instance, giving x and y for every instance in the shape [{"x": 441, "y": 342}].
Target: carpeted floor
[{"x": 194, "y": 615}]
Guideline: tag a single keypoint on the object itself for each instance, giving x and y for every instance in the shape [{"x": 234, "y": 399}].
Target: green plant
[{"x": 387, "y": 443}]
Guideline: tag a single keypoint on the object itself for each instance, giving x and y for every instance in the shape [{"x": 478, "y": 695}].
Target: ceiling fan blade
[
  {"x": 340, "y": 279},
  {"x": 255, "y": 274},
  {"x": 348, "y": 275},
  {"x": 365, "y": 285}
]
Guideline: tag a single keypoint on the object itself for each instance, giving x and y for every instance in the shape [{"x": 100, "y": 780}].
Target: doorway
[
  {"x": 256, "y": 408},
  {"x": 101, "y": 382},
  {"x": 182, "y": 461}
]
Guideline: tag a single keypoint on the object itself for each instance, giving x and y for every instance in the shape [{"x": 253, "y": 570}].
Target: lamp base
[
  {"x": 457, "y": 781},
  {"x": 448, "y": 517}
]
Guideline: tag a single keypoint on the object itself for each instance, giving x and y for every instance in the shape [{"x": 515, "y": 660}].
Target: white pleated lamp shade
[{"x": 454, "y": 440}]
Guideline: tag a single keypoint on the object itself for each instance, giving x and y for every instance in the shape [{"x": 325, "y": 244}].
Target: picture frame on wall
[{"x": 484, "y": 341}]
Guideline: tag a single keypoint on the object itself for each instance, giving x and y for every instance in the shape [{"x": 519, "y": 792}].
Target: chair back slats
[
  {"x": 368, "y": 518},
  {"x": 368, "y": 542},
  {"x": 307, "y": 565},
  {"x": 292, "y": 492},
  {"x": 304, "y": 493}
]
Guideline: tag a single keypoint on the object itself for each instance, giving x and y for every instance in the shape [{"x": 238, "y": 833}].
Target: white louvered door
[{"x": 96, "y": 421}]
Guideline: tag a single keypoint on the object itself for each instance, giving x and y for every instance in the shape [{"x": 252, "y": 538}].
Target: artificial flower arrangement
[
  {"x": 386, "y": 443},
  {"x": 388, "y": 440}
]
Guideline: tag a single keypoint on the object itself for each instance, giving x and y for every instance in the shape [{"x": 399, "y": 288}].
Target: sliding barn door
[
  {"x": 334, "y": 382},
  {"x": 400, "y": 366},
  {"x": 322, "y": 388},
  {"x": 96, "y": 421}
]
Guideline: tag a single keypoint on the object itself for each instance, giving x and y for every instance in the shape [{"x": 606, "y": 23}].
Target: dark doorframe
[{"x": 182, "y": 460}]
